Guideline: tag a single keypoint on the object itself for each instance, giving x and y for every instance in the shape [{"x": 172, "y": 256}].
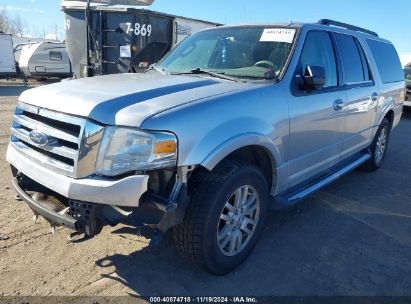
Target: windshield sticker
[{"x": 278, "y": 35}]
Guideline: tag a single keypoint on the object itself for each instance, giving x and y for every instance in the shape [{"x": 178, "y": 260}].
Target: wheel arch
[
  {"x": 390, "y": 117},
  {"x": 252, "y": 148}
]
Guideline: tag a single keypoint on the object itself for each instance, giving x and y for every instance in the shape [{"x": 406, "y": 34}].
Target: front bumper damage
[
  {"x": 86, "y": 219},
  {"x": 86, "y": 205}
]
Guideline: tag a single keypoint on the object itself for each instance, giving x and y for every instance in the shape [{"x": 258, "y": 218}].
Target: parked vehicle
[
  {"x": 234, "y": 121},
  {"x": 44, "y": 60},
  {"x": 7, "y": 63},
  {"x": 114, "y": 39},
  {"x": 407, "y": 74}
]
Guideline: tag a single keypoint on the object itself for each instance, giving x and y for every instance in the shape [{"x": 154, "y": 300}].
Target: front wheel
[
  {"x": 226, "y": 217},
  {"x": 379, "y": 147}
]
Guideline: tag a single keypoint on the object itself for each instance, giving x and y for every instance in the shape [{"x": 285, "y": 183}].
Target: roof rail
[{"x": 346, "y": 26}]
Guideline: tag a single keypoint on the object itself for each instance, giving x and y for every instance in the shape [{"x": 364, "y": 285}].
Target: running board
[{"x": 288, "y": 200}]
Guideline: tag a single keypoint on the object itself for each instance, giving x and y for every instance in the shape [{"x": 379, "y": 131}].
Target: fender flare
[{"x": 240, "y": 141}]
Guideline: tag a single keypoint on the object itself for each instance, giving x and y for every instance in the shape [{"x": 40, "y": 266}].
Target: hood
[{"x": 126, "y": 99}]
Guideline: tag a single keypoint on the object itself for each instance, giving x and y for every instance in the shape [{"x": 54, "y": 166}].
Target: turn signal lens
[{"x": 167, "y": 146}]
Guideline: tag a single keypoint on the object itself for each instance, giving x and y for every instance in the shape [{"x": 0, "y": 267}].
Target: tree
[
  {"x": 408, "y": 65},
  {"x": 13, "y": 25},
  {"x": 20, "y": 26},
  {"x": 4, "y": 22}
]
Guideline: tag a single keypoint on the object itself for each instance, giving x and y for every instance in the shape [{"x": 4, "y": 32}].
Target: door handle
[
  {"x": 338, "y": 105},
  {"x": 375, "y": 96}
]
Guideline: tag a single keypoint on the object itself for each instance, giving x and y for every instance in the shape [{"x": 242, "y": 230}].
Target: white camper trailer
[
  {"x": 7, "y": 63},
  {"x": 45, "y": 60}
]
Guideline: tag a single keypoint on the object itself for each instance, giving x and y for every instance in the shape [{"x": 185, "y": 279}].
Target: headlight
[{"x": 126, "y": 149}]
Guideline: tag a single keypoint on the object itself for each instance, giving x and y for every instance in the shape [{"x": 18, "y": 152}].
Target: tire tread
[{"x": 188, "y": 235}]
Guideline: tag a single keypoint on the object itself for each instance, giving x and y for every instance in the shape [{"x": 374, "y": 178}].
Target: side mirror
[{"x": 313, "y": 79}]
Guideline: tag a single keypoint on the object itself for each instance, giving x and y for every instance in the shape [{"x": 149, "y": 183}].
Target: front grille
[{"x": 66, "y": 148}]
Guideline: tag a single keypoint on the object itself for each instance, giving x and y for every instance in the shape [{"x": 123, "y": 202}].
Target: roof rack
[{"x": 346, "y": 26}]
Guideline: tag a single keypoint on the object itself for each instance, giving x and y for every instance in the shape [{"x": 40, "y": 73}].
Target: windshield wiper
[{"x": 210, "y": 73}]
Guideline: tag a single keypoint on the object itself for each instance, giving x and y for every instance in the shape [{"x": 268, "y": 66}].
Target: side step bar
[{"x": 288, "y": 200}]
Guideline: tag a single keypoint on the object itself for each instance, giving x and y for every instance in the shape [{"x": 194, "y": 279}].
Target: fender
[{"x": 249, "y": 139}]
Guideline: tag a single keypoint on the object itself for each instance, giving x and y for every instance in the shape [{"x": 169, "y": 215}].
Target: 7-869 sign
[{"x": 139, "y": 29}]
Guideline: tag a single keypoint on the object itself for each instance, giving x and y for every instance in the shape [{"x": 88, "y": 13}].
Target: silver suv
[{"x": 232, "y": 122}]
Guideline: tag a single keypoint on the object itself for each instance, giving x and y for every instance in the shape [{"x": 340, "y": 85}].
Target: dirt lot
[{"x": 353, "y": 238}]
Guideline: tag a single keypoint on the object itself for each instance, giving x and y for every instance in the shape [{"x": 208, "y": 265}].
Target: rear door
[
  {"x": 316, "y": 128},
  {"x": 359, "y": 110}
]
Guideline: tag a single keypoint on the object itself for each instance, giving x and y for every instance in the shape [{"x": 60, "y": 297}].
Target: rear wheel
[
  {"x": 379, "y": 147},
  {"x": 225, "y": 218}
]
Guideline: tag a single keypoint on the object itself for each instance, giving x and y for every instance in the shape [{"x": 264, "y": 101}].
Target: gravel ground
[{"x": 352, "y": 238}]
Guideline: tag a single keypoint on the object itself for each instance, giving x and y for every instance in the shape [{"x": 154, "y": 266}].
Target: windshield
[
  {"x": 243, "y": 52},
  {"x": 407, "y": 74}
]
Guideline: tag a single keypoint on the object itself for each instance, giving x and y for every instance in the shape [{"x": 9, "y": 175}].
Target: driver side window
[{"x": 318, "y": 51}]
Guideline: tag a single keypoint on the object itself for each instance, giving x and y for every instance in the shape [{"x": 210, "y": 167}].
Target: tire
[
  {"x": 196, "y": 238},
  {"x": 380, "y": 140}
]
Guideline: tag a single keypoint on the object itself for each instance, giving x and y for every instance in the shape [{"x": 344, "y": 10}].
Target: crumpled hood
[{"x": 126, "y": 99}]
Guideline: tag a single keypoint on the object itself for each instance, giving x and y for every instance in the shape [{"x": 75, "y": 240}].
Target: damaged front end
[{"x": 160, "y": 208}]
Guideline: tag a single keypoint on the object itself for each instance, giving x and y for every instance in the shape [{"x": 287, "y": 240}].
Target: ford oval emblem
[{"x": 39, "y": 138}]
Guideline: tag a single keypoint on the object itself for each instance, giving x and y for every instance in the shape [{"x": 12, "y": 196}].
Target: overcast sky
[{"x": 391, "y": 19}]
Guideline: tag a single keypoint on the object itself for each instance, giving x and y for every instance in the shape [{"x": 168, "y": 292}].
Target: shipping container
[{"x": 119, "y": 39}]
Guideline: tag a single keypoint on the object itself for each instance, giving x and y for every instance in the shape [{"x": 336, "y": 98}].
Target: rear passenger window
[
  {"x": 353, "y": 59},
  {"x": 388, "y": 62}
]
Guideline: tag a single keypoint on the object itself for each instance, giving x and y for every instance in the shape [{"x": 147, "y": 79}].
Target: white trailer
[
  {"x": 7, "y": 63},
  {"x": 44, "y": 60}
]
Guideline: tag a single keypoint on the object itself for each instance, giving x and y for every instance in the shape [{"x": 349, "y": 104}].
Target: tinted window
[
  {"x": 318, "y": 51},
  {"x": 354, "y": 66},
  {"x": 56, "y": 56},
  {"x": 388, "y": 62}
]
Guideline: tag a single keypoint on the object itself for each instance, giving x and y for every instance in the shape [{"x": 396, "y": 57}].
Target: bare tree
[
  {"x": 20, "y": 26},
  {"x": 4, "y": 22},
  {"x": 13, "y": 25},
  {"x": 55, "y": 32}
]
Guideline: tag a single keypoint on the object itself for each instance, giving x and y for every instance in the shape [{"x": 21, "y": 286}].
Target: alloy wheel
[
  {"x": 381, "y": 145},
  {"x": 238, "y": 220}
]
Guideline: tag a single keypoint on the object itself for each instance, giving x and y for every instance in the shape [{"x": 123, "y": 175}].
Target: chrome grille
[{"x": 67, "y": 149}]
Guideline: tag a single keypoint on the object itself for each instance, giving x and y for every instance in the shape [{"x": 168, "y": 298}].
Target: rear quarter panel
[{"x": 391, "y": 94}]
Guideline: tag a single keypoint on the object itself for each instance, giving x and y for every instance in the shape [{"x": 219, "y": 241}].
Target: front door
[{"x": 316, "y": 122}]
